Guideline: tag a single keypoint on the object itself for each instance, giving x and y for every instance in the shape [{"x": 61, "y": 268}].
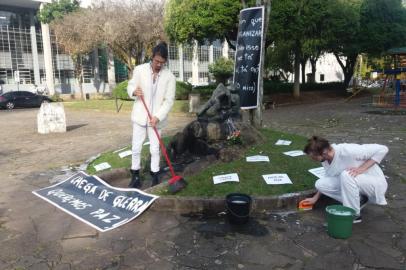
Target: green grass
[
  {"x": 116, "y": 162},
  {"x": 250, "y": 174},
  {"x": 109, "y": 105}
]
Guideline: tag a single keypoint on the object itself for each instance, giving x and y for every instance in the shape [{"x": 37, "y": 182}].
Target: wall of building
[{"x": 327, "y": 69}]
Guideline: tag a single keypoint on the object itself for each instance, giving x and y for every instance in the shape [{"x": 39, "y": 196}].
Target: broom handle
[{"x": 159, "y": 139}]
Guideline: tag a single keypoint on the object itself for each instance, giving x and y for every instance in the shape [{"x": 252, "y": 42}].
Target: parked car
[{"x": 22, "y": 99}]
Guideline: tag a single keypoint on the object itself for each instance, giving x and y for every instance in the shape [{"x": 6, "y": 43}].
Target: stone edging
[{"x": 211, "y": 206}]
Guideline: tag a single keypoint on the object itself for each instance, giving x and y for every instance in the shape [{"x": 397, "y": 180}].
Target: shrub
[
  {"x": 182, "y": 90},
  {"x": 120, "y": 91},
  {"x": 205, "y": 91},
  {"x": 271, "y": 87},
  {"x": 222, "y": 69}
]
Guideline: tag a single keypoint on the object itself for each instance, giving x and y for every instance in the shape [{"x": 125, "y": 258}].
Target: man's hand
[
  {"x": 355, "y": 171},
  {"x": 138, "y": 92},
  {"x": 361, "y": 169},
  {"x": 310, "y": 201},
  {"x": 154, "y": 121}
]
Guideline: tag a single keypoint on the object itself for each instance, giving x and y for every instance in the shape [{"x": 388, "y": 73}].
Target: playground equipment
[{"x": 393, "y": 93}]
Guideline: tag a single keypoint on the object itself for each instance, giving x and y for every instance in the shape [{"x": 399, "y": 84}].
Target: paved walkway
[{"x": 35, "y": 235}]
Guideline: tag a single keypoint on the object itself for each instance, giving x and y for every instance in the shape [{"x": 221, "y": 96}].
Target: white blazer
[{"x": 159, "y": 103}]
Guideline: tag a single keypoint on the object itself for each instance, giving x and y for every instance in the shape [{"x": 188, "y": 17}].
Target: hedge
[
  {"x": 182, "y": 90},
  {"x": 271, "y": 87}
]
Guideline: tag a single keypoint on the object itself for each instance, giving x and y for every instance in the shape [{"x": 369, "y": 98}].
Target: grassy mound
[{"x": 250, "y": 173}]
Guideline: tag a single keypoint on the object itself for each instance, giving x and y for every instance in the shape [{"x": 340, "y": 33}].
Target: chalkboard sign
[
  {"x": 248, "y": 56},
  {"x": 93, "y": 201}
]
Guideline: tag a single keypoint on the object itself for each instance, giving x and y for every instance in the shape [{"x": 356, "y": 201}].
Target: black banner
[
  {"x": 93, "y": 201},
  {"x": 248, "y": 56}
]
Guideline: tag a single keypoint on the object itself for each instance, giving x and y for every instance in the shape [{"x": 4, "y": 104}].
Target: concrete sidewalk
[{"x": 36, "y": 235}]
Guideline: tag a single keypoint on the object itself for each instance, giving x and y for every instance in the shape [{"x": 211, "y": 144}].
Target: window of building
[
  {"x": 173, "y": 52},
  {"x": 217, "y": 52},
  {"x": 173, "y": 61},
  {"x": 187, "y": 62},
  {"x": 187, "y": 77},
  {"x": 203, "y": 53},
  {"x": 203, "y": 77},
  {"x": 187, "y": 52},
  {"x": 231, "y": 54},
  {"x": 322, "y": 77}
]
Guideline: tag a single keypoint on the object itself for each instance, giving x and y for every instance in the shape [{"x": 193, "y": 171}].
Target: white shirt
[{"x": 159, "y": 96}]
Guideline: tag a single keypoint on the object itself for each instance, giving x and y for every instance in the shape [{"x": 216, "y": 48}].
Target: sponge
[{"x": 304, "y": 206}]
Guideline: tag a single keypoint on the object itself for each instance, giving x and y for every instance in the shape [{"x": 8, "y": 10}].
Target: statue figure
[
  {"x": 223, "y": 104},
  {"x": 214, "y": 123}
]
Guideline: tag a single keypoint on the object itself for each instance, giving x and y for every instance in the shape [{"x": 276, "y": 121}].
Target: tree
[
  {"x": 77, "y": 38},
  {"x": 129, "y": 28},
  {"x": 188, "y": 20},
  {"x": 222, "y": 69},
  {"x": 357, "y": 26},
  {"x": 296, "y": 26},
  {"x": 383, "y": 26},
  {"x": 56, "y": 10},
  {"x": 279, "y": 58}
]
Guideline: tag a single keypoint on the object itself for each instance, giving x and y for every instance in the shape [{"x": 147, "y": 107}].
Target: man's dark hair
[
  {"x": 161, "y": 49},
  {"x": 316, "y": 145}
]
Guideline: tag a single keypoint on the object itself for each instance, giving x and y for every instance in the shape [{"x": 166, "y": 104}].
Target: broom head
[{"x": 176, "y": 184}]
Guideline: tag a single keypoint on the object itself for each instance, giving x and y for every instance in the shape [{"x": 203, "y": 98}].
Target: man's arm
[
  {"x": 373, "y": 154},
  {"x": 313, "y": 199},
  {"x": 133, "y": 83},
  {"x": 361, "y": 169},
  {"x": 168, "y": 100}
]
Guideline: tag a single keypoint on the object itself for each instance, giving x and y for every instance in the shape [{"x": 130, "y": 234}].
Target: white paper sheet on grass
[
  {"x": 277, "y": 179},
  {"x": 232, "y": 177},
  {"x": 119, "y": 150},
  {"x": 318, "y": 172},
  {"x": 125, "y": 154},
  {"x": 257, "y": 158},
  {"x": 294, "y": 153},
  {"x": 102, "y": 166},
  {"x": 283, "y": 142}
]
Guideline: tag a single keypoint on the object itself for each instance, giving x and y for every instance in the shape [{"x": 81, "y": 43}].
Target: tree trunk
[
  {"x": 348, "y": 68},
  {"x": 296, "y": 85},
  {"x": 313, "y": 62},
  {"x": 303, "y": 66}
]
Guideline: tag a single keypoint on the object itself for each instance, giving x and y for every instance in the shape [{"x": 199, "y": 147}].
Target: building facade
[{"x": 30, "y": 58}]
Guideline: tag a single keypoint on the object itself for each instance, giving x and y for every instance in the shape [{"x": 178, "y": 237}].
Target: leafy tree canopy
[
  {"x": 383, "y": 26},
  {"x": 56, "y": 10},
  {"x": 188, "y": 20}
]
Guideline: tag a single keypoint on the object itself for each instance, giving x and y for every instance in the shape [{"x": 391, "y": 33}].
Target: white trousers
[
  {"x": 139, "y": 133},
  {"x": 347, "y": 189}
]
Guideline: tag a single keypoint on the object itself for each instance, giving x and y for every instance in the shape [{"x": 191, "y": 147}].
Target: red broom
[{"x": 176, "y": 183}]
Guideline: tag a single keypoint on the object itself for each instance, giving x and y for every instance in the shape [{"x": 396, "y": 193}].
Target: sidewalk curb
[{"x": 212, "y": 206}]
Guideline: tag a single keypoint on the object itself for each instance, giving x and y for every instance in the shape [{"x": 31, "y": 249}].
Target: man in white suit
[
  {"x": 157, "y": 85},
  {"x": 353, "y": 175}
]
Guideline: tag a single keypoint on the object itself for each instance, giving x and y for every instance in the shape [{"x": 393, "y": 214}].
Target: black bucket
[{"x": 238, "y": 208}]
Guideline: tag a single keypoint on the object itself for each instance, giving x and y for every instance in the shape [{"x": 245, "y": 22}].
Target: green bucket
[{"x": 339, "y": 221}]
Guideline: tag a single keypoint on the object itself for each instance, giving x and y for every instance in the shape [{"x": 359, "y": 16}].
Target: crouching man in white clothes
[{"x": 353, "y": 175}]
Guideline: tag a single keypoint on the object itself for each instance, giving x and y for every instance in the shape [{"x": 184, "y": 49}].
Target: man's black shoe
[
  {"x": 135, "y": 179},
  {"x": 363, "y": 201},
  {"x": 155, "y": 178},
  {"x": 357, "y": 219}
]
